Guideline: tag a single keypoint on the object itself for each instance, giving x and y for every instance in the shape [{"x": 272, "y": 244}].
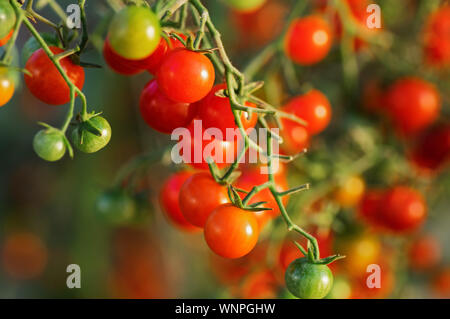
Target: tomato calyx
[
  {"x": 317, "y": 260},
  {"x": 236, "y": 200}
]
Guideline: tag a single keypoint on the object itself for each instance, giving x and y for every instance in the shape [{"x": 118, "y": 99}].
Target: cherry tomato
[
  {"x": 374, "y": 97},
  {"x": 314, "y": 108},
  {"x": 5, "y": 39},
  {"x": 342, "y": 289},
  {"x": 432, "y": 151},
  {"x": 441, "y": 283},
  {"x": 46, "y": 83},
  {"x": 252, "y": 176},
  {"x": 198, "y": 146},
  {"x": 24, "y": 256},
  {"x": 245, "y": 6},
  {"x": 350, "y": 191},
  {"x": 308, "y": 40},
  {"x": 231, "y": 232},
  {"x": 199, "y": 196},
  {"x": 231, "y": 271},
  {"x": 360, "y": 289},
  {"x": 260, "y": 26},
  {"x": 168, "y": 198},
  {"x": 424, "y": 253},
  {"x": 116, "y": 206},
  {"x": 295, "y": 138},
  {"x": 7, "y": 19},
  {"x": 131, "y": 67},
  {"x": 404, "y": 209},
  {"x": 86, "y": 140},
  {"x": 260, "y": 285},
  {"x": 134, "y": 32},
  {"x": 437, "y": 37},
  {"x": 185, "y": 76},
  {"x": 413, "y": 104},
  {"x": 49, "y": 145},
  {"x": 6, "y": 86},
  {"x": 307, "y": 280},
  {"x": 215, "y": 112},
  {"x": 119, "y": 64},
  {"x": 369, "y": 207},
  {"x": 360, "y": 251},
  {"x": 161, "y": 113}
]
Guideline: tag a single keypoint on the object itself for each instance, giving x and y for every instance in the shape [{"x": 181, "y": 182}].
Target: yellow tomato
[
  {"x": 360, "y": 252},
  {"x": 349, "y": 193}
]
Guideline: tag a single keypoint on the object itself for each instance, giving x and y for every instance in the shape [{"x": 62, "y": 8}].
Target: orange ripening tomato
[
  {"x": 168, "y": 198},
  {"x": 231, "y": 232},
  {"x": 424, "y": 253},
  {"x": 6, "y": 38},
  {"x": 350, "y": 192},
  {"x": 6, "y": 86},
  {"x": 308, "y": 40},
  {"x": 24, "y": 256}
]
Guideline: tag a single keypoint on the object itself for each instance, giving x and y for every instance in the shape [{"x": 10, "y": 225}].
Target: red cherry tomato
[
  {"x": 153, "y": 62},
  {"x": 413, "y": 104},
  {"x": 441, "y": 283},
  {"x": 314, "y": 108},
  {"x": 202, "y": 144},
  {"x": 46, "y": 83},
  {"x": 437, "y": 37},
  {"x": 308, "y": 40},
  {"x": 199, "y": 196},
  {"x": 168, "y": 198},
  {"x": 295, "y": 138},
  {"x": 432, "y": 152},
  {"x": 403, "y": 209},
  {"x": 369, "y": 207},
  {"x": 161, "y": 113},
  {"x": 185, "y": 76},
  {"x": 215, "y": 112},
  {"x": 118, "y": 63},
  {"x": 260, "y": 285},
  {"x": 6, "y": 38},
  {"x": 231, "y": 232},
  {"x": 424, "y": 253},
  {"x": 252, "y": 176}
]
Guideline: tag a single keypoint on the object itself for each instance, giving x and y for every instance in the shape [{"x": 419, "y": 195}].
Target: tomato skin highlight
[
  {"x": 134, "y": 32},
  {"x": 199, "y": 196},
  {"x": 308, "y": 40},
  {"x": 161, "y": 113},
  {"x": 313, "y": 107},
  {"x": 404, "y": 209},
  {"x": 231, "y": 232},
  {"x": 185, "y": 76},
  {"x": 46, "y": 83},
  {"x": 215, "y": 112},
  {"x": 168, "y": 198},
  {"x": 413, "y": 105},
  {"x": 306, "y": 280}
]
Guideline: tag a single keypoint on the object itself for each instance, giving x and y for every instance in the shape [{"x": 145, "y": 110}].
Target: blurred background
[{"x": 48, "y": 218}]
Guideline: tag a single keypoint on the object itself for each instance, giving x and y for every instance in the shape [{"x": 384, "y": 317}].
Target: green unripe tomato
[
  {"x": 49, "y": 145},
  {"x": 116, "y": 206},
  {"x": 134, "y": 33},
  {"x": 245, "y": 5},
  {"x": 33, "y": 45},
  {"x": 85, "y": 139},
  {"x": 7, "y": 18},
  {"x": 307, "y": 280}
]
